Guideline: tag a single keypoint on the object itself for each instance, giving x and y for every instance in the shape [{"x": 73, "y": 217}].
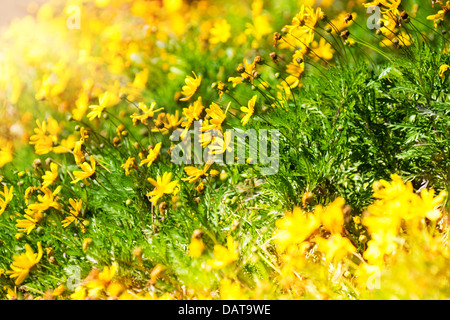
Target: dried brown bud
[
  {"x": 37, "y": 163},
  {"x": 345, "y": 34},
  {"x": 163, "y": 206},
  {"x": 137, "y": 252},
  {"x": 240, "y": 68},
  {"x": 307, "y": 198},
  {"x": 116, "y": 141},
  {"x": 404, "y": 15},
  {"x": 258, "y": 60},
  {"x": 274, "y": 57},
  {"x": 348, "y": 17},
  {"x": 197, "y": 234}
]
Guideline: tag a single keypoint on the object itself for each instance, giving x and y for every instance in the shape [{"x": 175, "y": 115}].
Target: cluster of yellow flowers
[
  {"x": 313, "y": 248},
  {"x": 110, "y": 64},
  {"x": 397, "y": 221}
]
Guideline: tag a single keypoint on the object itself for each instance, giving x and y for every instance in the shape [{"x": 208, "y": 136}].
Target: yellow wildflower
[
  {"x": 47, "y": 200},
  {"x": 220, "y": 32},
  {"x": 129, "y": 163},
  {"x": 74, "y": 212},
  {"x": 147, "y": 113},
  {"x": 191, "y": 86},
  {"x": 103, "y": 283},
  {"x": 32, "y": 218},
  {"x": 107, "y": 99},
  {"x": 196, "y": 247},
  {"x": 43, "y": 139},
  {"x": 195, "y": 173},
  {"x": 224, "y": 256},
  {"x": 335, "y": 247},
  {"x": 249, "y": 110},
  {"x": 163, "y": 185},
  {"x": 23, "y": 263},
  {"x": 217, "y": 115},
  {"x": 7, "y": 197},
  {"x": 295, "y": 228},
  {"x": 332, "y": 217},
  {"x": 443, "y": 70},
  {"x": 88, "y": 170},
  {"x": 152, "y": 155},
  {"x": 80, "y": 293},
  {"x": 78, "y": 152},
  {"x": 50, "y": 176},
  {"x": 6, "y": 151}
]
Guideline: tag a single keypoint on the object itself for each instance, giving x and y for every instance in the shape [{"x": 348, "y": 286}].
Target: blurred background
[{"x": 14, "y": 9}]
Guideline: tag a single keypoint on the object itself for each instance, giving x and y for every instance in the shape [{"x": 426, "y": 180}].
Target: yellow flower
[
  {"x": 28, "y": 193},
  {"x": 88, "y": 170},
  {"x": 65, "y": 145},
  {"x": 221, "y": 144},
  {"x": 231, "y": 290},
  {"x": 50, "y": 176},
  {"x": 23, "y": 263},
  {"x": 217, "y": 115},
  {"x": 383, "y": 243},
  {"x": 428, "y": 205},
  {"x": 162, "y": 186},
  {"x": 220, "y": 32},
  {"x": 32, "y": 218},
  {"x": 332, "y": 217},
  {"x": 7, "y": 197},
  {"x": 107, "y": 99},
  {"x": 152, "y": 155},
  {"x": 6, "y": 152},
  {"x": 80, "y": 293},
  {"x": 321, "y": 49},
  {"x": 170, "y": 122},
  {"x": 191, "y": 86},
  {"x": 295, "y": 228},
  {"x": 44, "y": 137},
  {"x": 86, "y": 243},
  {"x": 129, "y": 163},
  {"x": 214, "y": 173},
  {"x": 196, "y": 247},
  {"x": 78, "y": 152},
  {"x": 443, "y": 70},
  {"x": 195, "y": 173},
  {"x": 249, "y": 110},
  {"x": 200, "y": 187},
  {"x": 224, "y": 256},
  {"x": 387, "y": 191},
  {"x": 74, "y": 212},
  {"x": 12, "y": 294},
  {"x": 47, "y": 200},
  {"x": 235, "y": 80},
  {"x": 147, "y": 113},
  {"x": 335, "y": 247},
  {"x": 440, "y": 15},
  {"x": 59, "y": 290},
  {"x": 103, "y": 283},
  {"x": 193, "y": 112}
]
